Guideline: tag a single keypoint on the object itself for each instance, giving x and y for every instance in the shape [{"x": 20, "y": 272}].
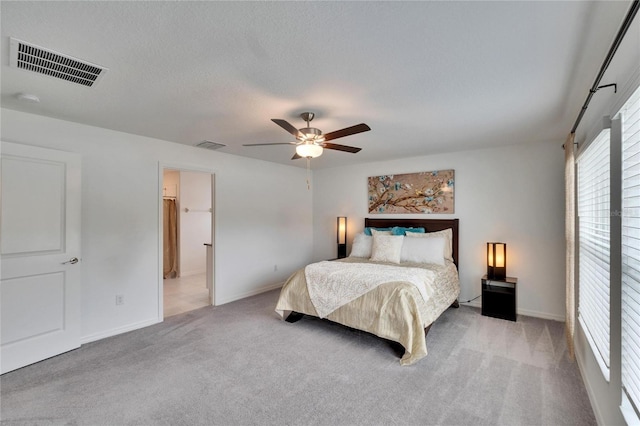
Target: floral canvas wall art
[{"x": 424, "y": 192}]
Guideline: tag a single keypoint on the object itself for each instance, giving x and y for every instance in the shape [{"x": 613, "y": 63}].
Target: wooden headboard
[{"x": 431, "y": 225}]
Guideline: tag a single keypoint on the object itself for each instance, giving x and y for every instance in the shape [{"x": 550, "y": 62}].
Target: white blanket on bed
[{"x": 333, "y": 284}]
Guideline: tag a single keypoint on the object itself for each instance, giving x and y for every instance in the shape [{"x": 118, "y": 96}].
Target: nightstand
[{"x": 499, "y": 298}]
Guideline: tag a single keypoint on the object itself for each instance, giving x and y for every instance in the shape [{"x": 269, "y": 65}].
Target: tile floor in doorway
[{"x": 184, "y": 294}]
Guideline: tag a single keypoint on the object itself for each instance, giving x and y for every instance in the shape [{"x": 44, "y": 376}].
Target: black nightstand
[{"x": 499, "y": 298}]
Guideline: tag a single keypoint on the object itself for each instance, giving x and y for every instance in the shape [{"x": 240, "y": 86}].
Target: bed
[{"x": 397, "y": 309}]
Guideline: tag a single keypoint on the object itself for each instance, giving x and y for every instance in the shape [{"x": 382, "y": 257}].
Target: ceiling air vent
[
  {"x": 35, "y": 58},
  {"x": 210, "y": 145}
]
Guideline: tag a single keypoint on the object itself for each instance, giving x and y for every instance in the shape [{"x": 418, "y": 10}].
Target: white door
[{"x": 39, "y": 240}]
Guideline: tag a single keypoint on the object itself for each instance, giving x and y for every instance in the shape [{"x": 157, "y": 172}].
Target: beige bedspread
[{"x": 394, "y": 310}]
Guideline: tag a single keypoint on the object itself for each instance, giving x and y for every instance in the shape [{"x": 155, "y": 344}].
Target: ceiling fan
[{"x": 311, "y": 141}]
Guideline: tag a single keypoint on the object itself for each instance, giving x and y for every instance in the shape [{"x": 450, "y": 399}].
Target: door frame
[{"x": 162, "y": 166}]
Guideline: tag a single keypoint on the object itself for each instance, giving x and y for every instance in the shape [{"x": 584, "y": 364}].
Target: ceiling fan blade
[
  {"x": 345, "y": 148},
  {"x": 288, "y": 127},
  {"x": 358, "y": 128},
  {"x": 264, "y": 144},
  {"x": 295, "y": 156}
]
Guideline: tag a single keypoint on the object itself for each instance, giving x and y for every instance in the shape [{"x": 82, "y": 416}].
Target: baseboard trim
[
  {"x": 543, "y": 315},
  {"x": 115, "y": 331},
  {"x": 249, "y": 293},
  {"x": 193, "y": 272},
  {"x": 524, "y": 312}
]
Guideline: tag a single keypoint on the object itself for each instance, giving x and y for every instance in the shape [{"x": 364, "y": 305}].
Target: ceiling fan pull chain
[{"x": 308, "y": 173}]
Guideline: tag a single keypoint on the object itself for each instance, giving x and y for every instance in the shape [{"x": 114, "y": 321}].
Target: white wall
[
  {"x": 511, "y": 194},
  {"x": 263, "y": 218},
  {"x": 195, "y": 225}
]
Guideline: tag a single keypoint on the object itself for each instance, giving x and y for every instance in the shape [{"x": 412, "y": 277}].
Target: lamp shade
[
  {"x": 341, "y": 231},
  {"x": 496, "y": 261},
  {"x": 309, "y": 150}
]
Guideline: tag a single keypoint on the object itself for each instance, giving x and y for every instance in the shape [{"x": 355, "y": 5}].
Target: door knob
[{"x": 72, "y": 261}]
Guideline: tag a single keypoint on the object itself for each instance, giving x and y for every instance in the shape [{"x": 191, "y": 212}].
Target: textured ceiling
[{"x": 428, "y": 77}]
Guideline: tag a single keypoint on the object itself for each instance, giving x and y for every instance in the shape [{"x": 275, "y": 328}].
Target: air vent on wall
[
  {"x": 38, "y": 59},
  {"x": 210, "y": 145}
]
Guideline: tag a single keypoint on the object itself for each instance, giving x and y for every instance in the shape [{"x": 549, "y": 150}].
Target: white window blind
[
  {"x": 630, "y": 115},
  {"x": 594, "y": 246}
]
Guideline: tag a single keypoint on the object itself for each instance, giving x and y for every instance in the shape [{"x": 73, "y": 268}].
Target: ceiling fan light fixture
[{"x": 309, "y": 150}]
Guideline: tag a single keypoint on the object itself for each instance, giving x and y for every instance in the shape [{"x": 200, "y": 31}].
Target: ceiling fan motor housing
[{"x": 311, "y": 133}]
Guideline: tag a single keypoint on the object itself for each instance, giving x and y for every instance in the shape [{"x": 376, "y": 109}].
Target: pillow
[
  {"x": 368, "y": 229},
  {"x": 361, "y": 246},
  {"x": 401, "y": 230},
  {"x": 423, "y": 250},
  {"x": 386, "y": 248},
  {"x": 380, "y": 231},
  {"x": 448, "y": 236}
]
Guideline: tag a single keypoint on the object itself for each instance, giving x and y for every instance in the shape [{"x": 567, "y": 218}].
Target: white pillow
[
  {"x": 361, "y": 246},
  {"x": 375, "y": 231},
  {"x": 423, "y": 250},
  {"x": 386, "y": 248},
  {"x": 448, "y": 236}
]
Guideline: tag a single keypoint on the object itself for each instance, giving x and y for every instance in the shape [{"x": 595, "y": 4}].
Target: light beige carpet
[{"x": 239, "y": 364}]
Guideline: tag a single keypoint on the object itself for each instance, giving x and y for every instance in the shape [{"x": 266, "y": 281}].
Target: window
[
  {"x": 594, "y": 246},
  {"x": 630, "y": 116}
]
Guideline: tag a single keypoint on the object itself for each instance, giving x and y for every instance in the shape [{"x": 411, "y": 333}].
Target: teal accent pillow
[
  {"x": 401, "y": 230},
  {"x": 367, "y": 230}
]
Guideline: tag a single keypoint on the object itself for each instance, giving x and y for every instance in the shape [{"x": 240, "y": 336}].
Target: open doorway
[{"x": 187, "y": 240}]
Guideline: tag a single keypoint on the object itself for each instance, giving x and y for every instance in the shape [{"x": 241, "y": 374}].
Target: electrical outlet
[{"x": 119, "y": 299}]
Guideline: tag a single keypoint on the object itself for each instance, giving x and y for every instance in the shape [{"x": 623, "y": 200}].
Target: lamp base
[
  {"x": 342, "y": 251},
  {"x": 496, "y": 273}
]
